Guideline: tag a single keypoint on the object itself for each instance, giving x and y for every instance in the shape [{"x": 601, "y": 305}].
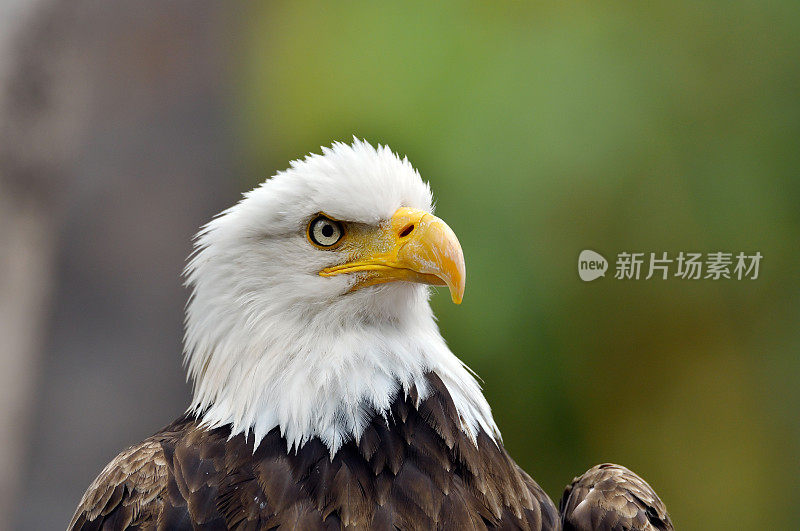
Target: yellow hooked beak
[{"x": 414, "y": 246}]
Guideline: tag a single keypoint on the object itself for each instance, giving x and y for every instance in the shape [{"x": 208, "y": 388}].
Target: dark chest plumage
[{"x": 416, "y": 471}]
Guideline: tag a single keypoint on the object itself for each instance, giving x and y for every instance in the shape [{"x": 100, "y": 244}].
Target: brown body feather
[
  {"x": 611, "y": 497},
  {"x": 416, "y": 471}
]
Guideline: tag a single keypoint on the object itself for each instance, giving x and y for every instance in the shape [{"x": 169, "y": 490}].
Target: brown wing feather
[
  {"x": 127, "y": 493},
  {"x": 611, "y": 497}
]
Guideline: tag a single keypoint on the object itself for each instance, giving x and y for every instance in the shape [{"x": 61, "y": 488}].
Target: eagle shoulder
[
  {"x": 128, "y": 492},
  {"x": 610, "y": 497}
]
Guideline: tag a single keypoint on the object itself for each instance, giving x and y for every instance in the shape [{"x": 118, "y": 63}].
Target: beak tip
[
  {"x": 458, "y": 282},
  {"x": 457, "y": 293}
]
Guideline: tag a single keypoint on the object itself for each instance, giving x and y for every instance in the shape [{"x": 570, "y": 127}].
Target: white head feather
[{"x": 270, "y": 343}]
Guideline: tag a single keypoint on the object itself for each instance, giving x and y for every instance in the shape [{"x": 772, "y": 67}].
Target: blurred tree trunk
[
  {"x": 26, "y": 250},
  {"x": 114, "y": 148},
  {"x": 27, "y": 240}
]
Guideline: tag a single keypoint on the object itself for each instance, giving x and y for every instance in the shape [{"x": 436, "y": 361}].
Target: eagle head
[{"x": 309, "y": 307}]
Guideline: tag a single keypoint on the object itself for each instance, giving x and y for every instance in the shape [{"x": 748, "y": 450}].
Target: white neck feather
[{"x": 321, "y": 374}]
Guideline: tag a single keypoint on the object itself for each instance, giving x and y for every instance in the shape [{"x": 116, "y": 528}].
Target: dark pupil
[{"x": 327, "y": 231}]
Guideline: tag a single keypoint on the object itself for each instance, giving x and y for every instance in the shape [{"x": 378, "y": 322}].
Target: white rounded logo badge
[{"x": 591, "y": 265}]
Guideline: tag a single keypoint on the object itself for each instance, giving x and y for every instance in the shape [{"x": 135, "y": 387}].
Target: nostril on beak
[{"x": 406, "y": 230}]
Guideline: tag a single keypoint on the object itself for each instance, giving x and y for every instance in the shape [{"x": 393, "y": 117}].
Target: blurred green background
[{"x": 546, "y": 129}]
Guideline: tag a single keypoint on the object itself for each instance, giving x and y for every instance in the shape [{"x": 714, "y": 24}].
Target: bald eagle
[{"x": 324, "y": 396}]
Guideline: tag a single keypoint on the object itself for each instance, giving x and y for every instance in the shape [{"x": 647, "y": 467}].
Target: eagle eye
[{"x": 325, "y": 232}]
